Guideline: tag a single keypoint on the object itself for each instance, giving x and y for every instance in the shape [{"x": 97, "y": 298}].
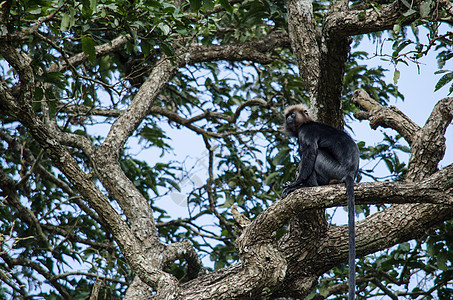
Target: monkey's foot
[{"x": 287, "y": 191}]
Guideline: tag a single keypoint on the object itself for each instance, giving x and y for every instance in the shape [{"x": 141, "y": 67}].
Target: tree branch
[
  {"x": 436, "y": 189},
  {"x": 332, "y": 62},
  {"x": 304, "y": 40},
  {"x": 427, "y": 143},
  {"x": 354, "y": 22},
  {"x": 21, "y": 261},
  {"x": 448, "y": 6},
  {"x": 184, "y": 250},
  {"x": 63, "y": 160},
  {"x": 429, "y": 148},
  {"x": 25, "y": 34},
  {"x": 386, "y": 117},
  {"x": 81, "y": 57}
]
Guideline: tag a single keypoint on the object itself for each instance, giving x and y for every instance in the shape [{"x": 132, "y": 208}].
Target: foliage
[{"x": 48, "y": 231}]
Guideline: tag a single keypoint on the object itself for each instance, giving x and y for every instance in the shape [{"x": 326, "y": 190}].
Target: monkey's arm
[{"x": 308, "y": 149}]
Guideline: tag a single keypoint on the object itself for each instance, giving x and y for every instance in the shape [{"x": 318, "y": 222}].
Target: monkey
[{"x": 327, "y": 154}]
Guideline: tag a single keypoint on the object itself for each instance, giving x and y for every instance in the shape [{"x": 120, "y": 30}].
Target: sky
[{"x": 417, "y": 85}]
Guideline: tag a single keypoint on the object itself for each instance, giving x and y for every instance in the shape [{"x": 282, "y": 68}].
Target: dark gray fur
[{"x": 326, "y": 154}]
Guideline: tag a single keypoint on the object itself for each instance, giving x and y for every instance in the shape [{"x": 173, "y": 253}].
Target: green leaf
[
  {"x": 146, "y": 48},
  {"x": 405, "y": 247},
  {"x": 406, "y": 3},
  {"x": 195, "y": 5},
  {"x": 443, "y": 81},
  {"x": 164, "y": 28},
  {"x": 396, "y": 76},
  {"x": 270, "y": 179},
  {"x": 39, "y": 93},
  {"x": 168, "y": 49},
  {"x": 52, "y": 109},
  {"x": 208, "y": 4},
  {"x": 225, "y": 4},
  {"x": 93, "y": 5},
  {"x": 409, "y": 13},
  {"x": 35, "y": 11},
  {"x": 228, "y": 203},
  {"x": 281, "y": 156},
  {"x": 425, "y": 9},
  {"x": 55, "y": 78},
  {"x": 397, "y": 28},
  {"x": 65, "y": 20},
  {"x": 88, "y": 45},
  {"x": 441, "y": 261}
]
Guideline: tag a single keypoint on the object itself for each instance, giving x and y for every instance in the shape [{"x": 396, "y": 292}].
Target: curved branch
[
  {"x": 8, "y": 188},
  {"x": 81, "y": 57},
  {"x": 427, "y": 143},
  {"x": 354, "y": 22},
  {"x": 85, "y": 111},
  {"x": 429, "y": 148},
  {"x": 396, "y": 224},
  {"x": 184, "y": 250},
  {"x": 21, "y": 261},
  {"x": 436, "y": 189},
  {"x": 375, "y": 233},
  {"x": 164, "y": 70},
  {"x": 386, "y": 117},
  {"x": 25, "y": 33}
]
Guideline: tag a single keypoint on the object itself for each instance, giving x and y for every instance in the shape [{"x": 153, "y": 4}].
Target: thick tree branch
[
  {"x": 135, "y": 206},
  {"x": 63, "y": 160},
  {"x": 321, "y": 56},
  {"x": 427, "y": 143},
  {"x": 184, "y": 250},
  {"x": 437, "y": 189},
  {"x": 386, "y": 117},
  {"x": 335, "y": 50},
  {"x": 5, "y": 6},
  {"x": 81, "y": 57},
  {"x": 304, "y": 37},
  {"x": 354, "y": 22},
  {"x": 22, "y": 64},
  {"x": 375, "y": 233},
  {"x": 429, "y": 147},
  {"x": 303, "y": 268}
]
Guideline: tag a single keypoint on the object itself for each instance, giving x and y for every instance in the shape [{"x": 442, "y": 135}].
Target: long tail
[{"x": 349, "y": 181}]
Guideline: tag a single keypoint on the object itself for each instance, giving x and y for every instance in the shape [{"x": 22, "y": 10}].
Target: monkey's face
[{"x": 295, "y": 117}]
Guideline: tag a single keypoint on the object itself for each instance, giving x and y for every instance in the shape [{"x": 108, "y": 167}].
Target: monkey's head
[{"x": 296, "y": 116}]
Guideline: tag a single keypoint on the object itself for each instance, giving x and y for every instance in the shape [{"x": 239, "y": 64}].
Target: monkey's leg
[
  {"x": 311, "y": 181},
  {"x": 289, "y": 190}
]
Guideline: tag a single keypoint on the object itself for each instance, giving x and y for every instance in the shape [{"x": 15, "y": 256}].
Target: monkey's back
[{"x": 337, "y": 143}]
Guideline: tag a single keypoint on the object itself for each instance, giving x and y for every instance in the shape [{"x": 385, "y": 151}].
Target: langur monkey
[{"x": 326, "y": 154}]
